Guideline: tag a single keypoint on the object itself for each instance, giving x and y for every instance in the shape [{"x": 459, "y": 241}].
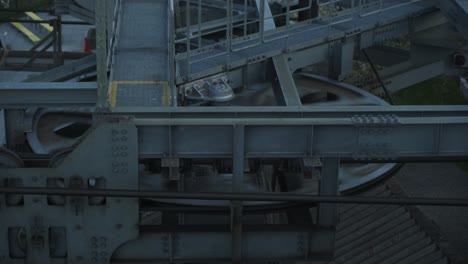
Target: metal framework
[{"x": 87, "y": 207}]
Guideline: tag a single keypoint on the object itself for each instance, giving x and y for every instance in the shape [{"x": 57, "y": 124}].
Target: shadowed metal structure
[{"x": 213, "y": 131}]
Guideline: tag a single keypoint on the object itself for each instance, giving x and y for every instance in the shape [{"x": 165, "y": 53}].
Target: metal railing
[{"x": 209, "y": 28}]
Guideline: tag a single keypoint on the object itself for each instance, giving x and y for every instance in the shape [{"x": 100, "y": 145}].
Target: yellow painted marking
[
  {"x": 26, "y": 32},
  {"x": 113, "y": 94},
  {"x": 115, "y": 86},
  {"x": 37, "y": 18},
  {"x": 165, "y": 97}
]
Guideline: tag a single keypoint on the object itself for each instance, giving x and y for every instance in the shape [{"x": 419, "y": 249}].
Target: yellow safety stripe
[
  {"x": 115, "y": 85},
  {"x": 37, "y": 18},
  {"x": 26, "y": 32}
]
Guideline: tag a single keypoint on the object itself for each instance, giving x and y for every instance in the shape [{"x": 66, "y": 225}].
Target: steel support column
[
  {"x": 2, "y": 128},
  {"x": 329, "y": 187},
  {"x": 285, "y": 87},
  {"x": 236, "y": 206},
  {"x": 101, "y": 53}
]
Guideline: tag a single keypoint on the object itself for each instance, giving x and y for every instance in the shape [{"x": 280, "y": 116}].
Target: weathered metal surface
[
  {"x": 92, "y": 231},
  {"x": 34, "y": 94}
]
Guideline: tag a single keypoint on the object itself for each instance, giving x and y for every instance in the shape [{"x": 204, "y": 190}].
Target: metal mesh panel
[{"x": 251, "y": 26}]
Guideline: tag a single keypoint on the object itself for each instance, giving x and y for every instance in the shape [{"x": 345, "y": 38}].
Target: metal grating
[
  {"x": 383, "y": 234},
  {"x": 140, "y": 68}
]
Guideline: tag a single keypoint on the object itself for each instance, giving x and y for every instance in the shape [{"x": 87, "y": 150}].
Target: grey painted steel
[
  {"x": 93, "y": 232},
  {"x": 382, "y": 228},
  {"x": 140, "y": 57},
  {"x": 457, "y": 13},
  {"x": 101, "y": 56},
  {"x": 44, "y": 123},
  {"x": 238, "y": 179},
  {"x": 329, "y": 186},
  {"x": 304, "y": 36},
  {"x": 274, "y": 197},
  {"x": 464, "y": 86},
  {"x": 82, "y": 13},
  {"x": 2, "y": 128},
  {"x": 341, "y": 61},
  {"x": 209, "y": 113},
  {"x": 384, "y": 135},
  {"x": 67, "y": 71},
  {"x": 257, "y": 246},
  {"x": 287, "y": 90},
  {"x": 88, "y": 4},
  {"x": 23, "y": 95}
]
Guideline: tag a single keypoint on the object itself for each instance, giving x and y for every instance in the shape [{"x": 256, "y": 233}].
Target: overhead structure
[{"x": 220, "y": 103}]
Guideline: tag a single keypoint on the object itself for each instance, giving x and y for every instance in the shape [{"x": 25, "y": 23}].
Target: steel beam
[
  {"x": 214, "y": 247},
  {"x": 23, "y": 95},
  {"x": 348, "y": 132},
  {"x": 464, "y": 87},
  {"x": 366, "y": 30},
  {"x": 236, "y": 206},
  {"x": 285, "y": 87},
  {"x": 329, "y": 186},
  {"x": 67, "y": 71},
  {"x": 290, "y": 111},
  {"x": 2, "y": 128},
  {"x": 272, "y": 197},
  {"x": 457, "y": 13},
  {"x": 101, "y": 57}
]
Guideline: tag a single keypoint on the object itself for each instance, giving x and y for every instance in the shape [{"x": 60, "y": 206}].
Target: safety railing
[{"x": 209, "y": 28}]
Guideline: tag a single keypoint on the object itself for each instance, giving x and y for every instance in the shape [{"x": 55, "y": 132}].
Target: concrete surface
[{"x": 440, "y": 180}]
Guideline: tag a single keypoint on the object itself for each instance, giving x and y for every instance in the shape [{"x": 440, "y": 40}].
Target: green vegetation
[{"x": 437, "y": 91}]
